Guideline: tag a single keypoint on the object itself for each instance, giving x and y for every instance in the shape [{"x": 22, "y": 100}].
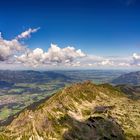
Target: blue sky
[{"x": 105, "y": 28}]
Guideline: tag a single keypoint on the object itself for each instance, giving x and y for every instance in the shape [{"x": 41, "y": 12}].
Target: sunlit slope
[{"x": 82, "y": 111}]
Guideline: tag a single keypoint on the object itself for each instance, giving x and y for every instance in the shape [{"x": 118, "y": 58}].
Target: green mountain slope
[{"x": 82, "y": 111}]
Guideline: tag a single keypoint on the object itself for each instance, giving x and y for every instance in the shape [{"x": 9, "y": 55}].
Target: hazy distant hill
[
  {"x": 80, "y": 112},
  {"x": 130, "y": 90},
  {"x": 30, "y": 76},
  {"x": 129, "y": 78},
  {"x": 5, "y": 84},
  {"x": 9, "y": 78}
]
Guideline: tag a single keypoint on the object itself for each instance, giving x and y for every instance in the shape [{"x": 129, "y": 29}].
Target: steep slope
[
  {"x": 80, "y": 112},
  {"x": 131, "y": 91},
  {"x": 132, "y": 78}
]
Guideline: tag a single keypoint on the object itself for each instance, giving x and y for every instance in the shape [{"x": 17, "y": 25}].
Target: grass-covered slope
[{"x": 80, "y": 112}]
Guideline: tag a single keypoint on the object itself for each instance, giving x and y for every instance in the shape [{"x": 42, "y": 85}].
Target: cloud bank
[
  {"x": 8, "y": 48},
  {"x": 55, "y": 55},
  {"x": 16, "y": 53}
]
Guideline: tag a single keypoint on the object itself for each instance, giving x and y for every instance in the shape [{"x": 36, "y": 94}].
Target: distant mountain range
[
  {"x": 131, "y": 91},
  {"x": 5, "y": 84},
  {"x": 30, "y": 76},
  {"x": 82, "y": 111},
  {"x": 132, "y": 78}
]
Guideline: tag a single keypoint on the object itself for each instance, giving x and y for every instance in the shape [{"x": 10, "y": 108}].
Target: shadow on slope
[{"x": 94, "y": 128}]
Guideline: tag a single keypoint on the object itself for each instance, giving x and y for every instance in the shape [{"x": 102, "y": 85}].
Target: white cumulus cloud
[
  {"x": 8, "y": 48},
  {"x": 14, "y": 52},
  {"x": 54, "y": 56},
  {"x": 27, "y": 33}
]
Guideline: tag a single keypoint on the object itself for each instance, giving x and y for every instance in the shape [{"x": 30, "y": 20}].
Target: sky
[{"x": 44, "y": 34}]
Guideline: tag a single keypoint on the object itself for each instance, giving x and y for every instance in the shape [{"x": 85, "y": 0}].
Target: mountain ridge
[
  {"x": 101, "y": 110},
  {"x": 132, "y": 78}
]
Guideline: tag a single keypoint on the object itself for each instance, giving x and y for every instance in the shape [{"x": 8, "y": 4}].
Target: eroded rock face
[{"x": 102, "y": 109}]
